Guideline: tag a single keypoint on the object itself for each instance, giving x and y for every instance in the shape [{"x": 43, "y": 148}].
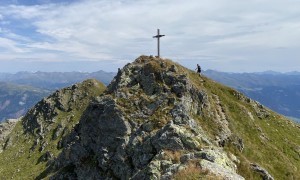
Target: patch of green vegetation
[
  {"x": 17, "y": 161},
  {"x": 269, "y": 142},
  {"x": 20, "y": 161}
]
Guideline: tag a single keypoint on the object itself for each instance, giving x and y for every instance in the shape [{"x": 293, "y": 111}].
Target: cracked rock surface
[{"x": 142, "y": 127}]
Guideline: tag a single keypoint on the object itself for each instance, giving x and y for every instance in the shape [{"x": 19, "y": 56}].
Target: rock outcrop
[
  {"x": 145, "y": 115},
  {"x": 156, "y": 120},
  {"x": 264, "y": 173},
  {"x": 5, "y": 129}
]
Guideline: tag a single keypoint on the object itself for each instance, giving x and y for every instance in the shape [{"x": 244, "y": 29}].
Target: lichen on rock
[{"x": 146, "y": 111}]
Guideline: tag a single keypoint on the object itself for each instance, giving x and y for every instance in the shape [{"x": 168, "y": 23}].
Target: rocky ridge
[
  {"x": 28, "y": 144},
  {"x": 144, "y": 128},
  {"x": 143, "y": 119},
  {"x": 159, "y": 120}
]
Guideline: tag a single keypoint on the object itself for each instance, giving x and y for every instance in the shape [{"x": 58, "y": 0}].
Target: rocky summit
[{"x": 156, "y": 120}]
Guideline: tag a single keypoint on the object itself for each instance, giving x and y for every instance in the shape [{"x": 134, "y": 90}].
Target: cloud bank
[{"x": 227, "y": 35}]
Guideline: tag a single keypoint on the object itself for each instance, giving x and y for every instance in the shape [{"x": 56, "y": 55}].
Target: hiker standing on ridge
[{"x": 198, "y": 69}]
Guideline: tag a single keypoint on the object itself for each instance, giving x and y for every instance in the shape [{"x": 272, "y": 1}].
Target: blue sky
[{"x": 90, "y": 35}]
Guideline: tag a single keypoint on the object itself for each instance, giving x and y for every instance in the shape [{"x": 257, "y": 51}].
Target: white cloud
[
  {"x": 10, "y": 45},
  {"x": 227, "y": 30}
]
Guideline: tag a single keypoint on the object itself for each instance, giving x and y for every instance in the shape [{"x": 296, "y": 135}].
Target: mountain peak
[
  {"x": 143, "y": 120},
  {"x": 152, "y": 75},
  {"x": 160, "y": 120}
]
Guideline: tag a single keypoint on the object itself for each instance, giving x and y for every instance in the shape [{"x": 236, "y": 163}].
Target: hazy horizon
[{"x": 90, "y": 67}]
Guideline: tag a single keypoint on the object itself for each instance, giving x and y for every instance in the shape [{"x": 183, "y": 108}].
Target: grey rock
[
  {"x": 163, "y": 65},
  {"x": 220, "y": 171},
  {"x": 8, "y": 143},
  {"x": 173, "y": 68},
  {"x": 148, "y": 83},
  {"x": 127, "y": 132},
  {"x": 167, "y": 176},
  {"x": 206, "y": 156},
  {"x": 165, "y": 165},
  {"x": 180, "y": 114},
  {"x": 35, "y": 144},
  {"x": 47, "y": 156},
  {"x": 216, "y": 156},
  {"x": 264, "y": 173},
  {"x": 173, "y": 169},
  {"x": 261, "y": 111},
  {"x": 5, "y": 129},
  {"x": 166, "y": 139},
  {"x": 148, "y": 126},
  {"x": 169, "y": 79},
  {"x": 186, "y": 157},
  {"x": 39, "y": 118},
  {"x": 43, "y": 146},
  {"x": 237, "y": 142},
  {"x": 57, "y": 131},
  {"x": 178, "y": 89}
]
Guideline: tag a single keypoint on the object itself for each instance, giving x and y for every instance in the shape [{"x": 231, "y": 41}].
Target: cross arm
[{"x": 158, "y": 36}]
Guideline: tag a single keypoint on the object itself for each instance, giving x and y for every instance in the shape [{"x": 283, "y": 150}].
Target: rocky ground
[
  {"x": 5, "y": 129},
  {"x": 158, "y": 120},
  {"x": 143, "y": 128}
]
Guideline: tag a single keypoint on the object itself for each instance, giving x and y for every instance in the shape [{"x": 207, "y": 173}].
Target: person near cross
[{"x": 198, "y": 69}]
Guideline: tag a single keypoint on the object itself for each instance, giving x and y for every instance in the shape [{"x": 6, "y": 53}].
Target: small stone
[
  {"x": 148, "y": 126},
  {"x": 208, "y": 157},
  {"x": 186, "y": 157},
  {"x": 163, "y": 65},
  {"x": 178, "y": 89},
  {"x": 264, "y": 173},
  {"x": 173, "y": 68}
]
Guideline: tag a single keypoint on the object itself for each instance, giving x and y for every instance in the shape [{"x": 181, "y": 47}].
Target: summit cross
[{"x": 158, "y": 36}]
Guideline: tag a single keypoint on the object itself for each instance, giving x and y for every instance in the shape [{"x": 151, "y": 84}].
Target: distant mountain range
[
  {"x": 278, "y": 91},
  {"x": 54, "y": 80},
  {"x": 20, "y": 91}
]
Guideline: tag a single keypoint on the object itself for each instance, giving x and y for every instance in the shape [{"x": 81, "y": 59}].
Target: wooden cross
[{"x": 158, "y": 36}]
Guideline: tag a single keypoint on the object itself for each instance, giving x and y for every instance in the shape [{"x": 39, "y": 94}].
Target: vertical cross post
[{"x": 158, "y": 36}]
